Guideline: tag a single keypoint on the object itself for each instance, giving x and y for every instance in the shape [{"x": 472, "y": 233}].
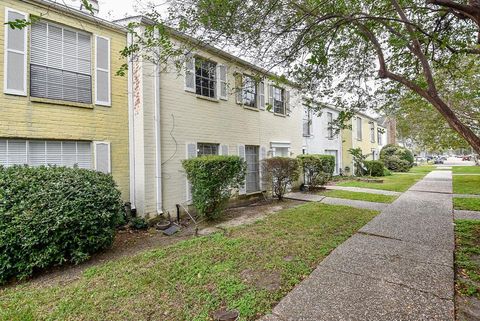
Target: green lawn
[
  {"x": 466, "y": 184},
  {"x": 467, "y": 252},
  {"x": 396, "y": 182},
  {"x": 249, "y": 268},
  {"x": 466, "y": 169},
  {"x": 470, "y": 204},
  {"x": 360, "y": 196}
]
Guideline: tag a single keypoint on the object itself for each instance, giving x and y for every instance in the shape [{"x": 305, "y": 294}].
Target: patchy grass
[
  {"x": 466, "y": 169},
  {"x": 250, "y": 268},
  {"x": 467, "y": 257},
  {"x": 466, "y": 184},
  {"x": 469, "y": 204},
  {"x": 395, "y": 182},
  {"x": 369, "y": 197}
]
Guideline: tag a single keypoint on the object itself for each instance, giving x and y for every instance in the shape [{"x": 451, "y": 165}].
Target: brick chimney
[{"x": 93, "y": 3}]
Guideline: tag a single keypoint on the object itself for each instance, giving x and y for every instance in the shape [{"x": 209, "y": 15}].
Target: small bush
[
  {"x": 374, "y": 168},
  {"x": 395, "y": 164},
  {"x": 397, "y": 158},
  {"x": 318, "y": 169},
  {"x": 279, "y": 173},
  {"x": 358, "y": 161},
  {"x": 54, "y": 215},
  {"x": 387, "y": 172},
  {"x": 138, "y": 223},
  {"x": 213, "y": 178}
]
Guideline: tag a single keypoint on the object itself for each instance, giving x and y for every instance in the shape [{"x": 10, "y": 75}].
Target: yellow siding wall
[
  {"x": 21, "y": 117},
  {"x": 350, "y": 140}
]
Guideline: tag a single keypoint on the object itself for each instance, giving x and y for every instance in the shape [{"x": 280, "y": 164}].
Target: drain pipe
[
  {"x": 131, "y": 127},
  {"x": 158, "y": 156}
]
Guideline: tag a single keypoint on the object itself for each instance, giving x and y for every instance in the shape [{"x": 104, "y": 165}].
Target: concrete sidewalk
[
  {"x": 397, "y": 267},
  {"x": 307, "y": 197}
]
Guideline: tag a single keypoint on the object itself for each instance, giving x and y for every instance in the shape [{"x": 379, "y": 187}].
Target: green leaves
[
  {"x": 318, "y": 169},
  {"x": 213, "y": 178},
  {"x": 54, "y": 215}
]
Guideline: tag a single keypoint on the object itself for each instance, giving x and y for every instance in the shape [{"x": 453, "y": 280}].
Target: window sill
[
  {"x": 60, "y": 102},
  {"x": 215, "y": 100},
  {"x": 279, "y": 115},
  {"x": 250, "y": 108}
]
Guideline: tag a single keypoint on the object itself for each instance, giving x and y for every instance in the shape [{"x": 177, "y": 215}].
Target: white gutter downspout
[
  {"x": 158, "y": 167},
  {"x": 131, "y": 127}
]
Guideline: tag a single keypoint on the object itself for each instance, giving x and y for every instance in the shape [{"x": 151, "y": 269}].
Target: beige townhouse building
[{"x": 217, "y": 104}]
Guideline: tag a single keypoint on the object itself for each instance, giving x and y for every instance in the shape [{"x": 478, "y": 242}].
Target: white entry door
[{"x": 334, "y": 153}]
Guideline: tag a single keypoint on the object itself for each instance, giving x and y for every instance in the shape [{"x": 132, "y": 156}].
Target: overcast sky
[{"x": 116, "y": 9}]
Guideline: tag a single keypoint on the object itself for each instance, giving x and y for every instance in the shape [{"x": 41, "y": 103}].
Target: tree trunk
[{"x": 455, "y": 123}]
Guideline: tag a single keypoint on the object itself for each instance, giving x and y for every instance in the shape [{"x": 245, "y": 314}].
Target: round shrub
[
  {"x": 396, "y": 158},
  {"x": 374, "y": 168},
  {"x": 279, "y": 173},
  {"x": 213, "y": 178},
  {"x": 54, "y": 215},
  {"x": 318, "y": 169}
]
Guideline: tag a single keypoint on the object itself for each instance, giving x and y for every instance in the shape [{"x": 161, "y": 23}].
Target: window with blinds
[
  {"x": 49, "y": 152},
  {"x": 60, "y": 63}
]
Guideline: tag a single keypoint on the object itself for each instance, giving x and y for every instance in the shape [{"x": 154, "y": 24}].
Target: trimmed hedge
[
  {"x": 374, "y": 168},
  {"x": 318, "y": 169},
  {"x": 396, "y": 158},
  {"x": 54, "y": 215},
  {"x": 279, "y": 173},
  {"x": 213, "y": 178}
]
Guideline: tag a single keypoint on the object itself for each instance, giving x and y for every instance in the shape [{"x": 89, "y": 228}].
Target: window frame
[
  {"x": 283, "y": 101},
  {"x": 359, "y": 128},
  {"x": 309, "y": 122},
  {"x": 201, "y": 149},
  {"x": 255, "y": 94},
  {"x": 379, "y": 136},
  {"x": 202, "y": 60},
  {"x": 91, "y": 58},
  {"x": 329, "y": 125},
  {"x": 372, "y": 132}
]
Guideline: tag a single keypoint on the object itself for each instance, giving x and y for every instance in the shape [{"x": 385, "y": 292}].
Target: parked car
[
  {"x": 466, "y": 158},
  {"x": 438, "y": 160}
]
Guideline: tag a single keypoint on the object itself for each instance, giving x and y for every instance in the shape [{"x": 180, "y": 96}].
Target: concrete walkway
[
  {"x": 397, "y": 267},
  {"x": 467, "y": 215},
  {"x": 336, "y": 201},
  {"x": 362, "y": 190}
]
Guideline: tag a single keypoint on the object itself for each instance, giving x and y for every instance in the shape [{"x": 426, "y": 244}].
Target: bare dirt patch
[{"x": 128, "y": 242}]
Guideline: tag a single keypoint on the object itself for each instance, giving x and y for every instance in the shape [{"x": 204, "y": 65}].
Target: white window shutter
[
  {"x": 189, "y": 73},
  {"x": 191, "y": 153},
  {"x": 241, "y": 153},
  {"x": 102, "y": 72},
  {"x": 102, "y": 157},
  {"x": 17, "y": 152},
  {"x": 262, "y": 157},
  {"x": 261, "y": 95},
  {"x": 288, "y": 109},
  {"x": 224, "y": 150},
  {"x": 270, "y": 97},
  {"x": 15, "y": 59},
  {"x": 239, "y": 89},
  {"x": 222, "y": 82}
]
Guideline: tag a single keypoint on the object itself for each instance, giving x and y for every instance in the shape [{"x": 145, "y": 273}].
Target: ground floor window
[
  {"x": 46, "y": 152},
  {"x": 204, "y": 149},
  {"x": 281, "y": 152},
  {"x": 253, "y": 169}
]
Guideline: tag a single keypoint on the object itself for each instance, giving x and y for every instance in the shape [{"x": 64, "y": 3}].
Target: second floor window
[
  {"x": 307, "y": 122},
  {"x": 329, "y": 125},
  {"x": 379, "y": 137},
  {"x": 60, "y": 63},
  {"x": 372, "y": 132},
  {"x": 359, "y": 128},
  {"x": 249, "y": 91},
  {"x": 278, "y": 100},
  {"x": 205, "y": 78}
]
